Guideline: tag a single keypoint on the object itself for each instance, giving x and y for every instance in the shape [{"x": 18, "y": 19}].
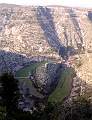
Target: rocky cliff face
[
  {"x": 20, "y": 31},
  {"x": 51, "y": 31},
  {"x": 44, "y": 30},
  {"x": 47, "y": 77}
]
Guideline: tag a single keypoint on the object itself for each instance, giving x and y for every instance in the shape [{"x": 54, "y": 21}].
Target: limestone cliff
[{"x": 51, "y": 31}]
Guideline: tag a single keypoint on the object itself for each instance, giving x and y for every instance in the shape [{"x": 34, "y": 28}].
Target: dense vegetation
[{"x": 9, "y": 93}]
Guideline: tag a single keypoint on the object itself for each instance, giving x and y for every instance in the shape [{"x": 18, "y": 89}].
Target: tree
[
  {"x": 9, "y": 92},
  {"x": 2, "y": 113}
]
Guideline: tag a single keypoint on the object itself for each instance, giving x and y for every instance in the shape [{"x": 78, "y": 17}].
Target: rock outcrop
[{"x": 46, "y": 77}]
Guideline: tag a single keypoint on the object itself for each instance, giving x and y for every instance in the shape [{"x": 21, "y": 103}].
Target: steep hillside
[
  {"x": 84, "y": 72},
  {"x": 44, "y": 30},
  {"x": 53, "y": 31}
]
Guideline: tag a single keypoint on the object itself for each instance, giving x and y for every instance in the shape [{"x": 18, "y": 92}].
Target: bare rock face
[
  {"x": 35, "y": 31},
  {"x": 20, "y": 31},
  {"x": 47, "y": 76},
  {"x": 53, "y": 31}
]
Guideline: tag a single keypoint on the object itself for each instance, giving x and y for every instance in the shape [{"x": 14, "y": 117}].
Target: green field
[
  {"x": 64, "y": 86},
  {"x": 62, "y": 89},
  {"x": 23, "y": 74}
]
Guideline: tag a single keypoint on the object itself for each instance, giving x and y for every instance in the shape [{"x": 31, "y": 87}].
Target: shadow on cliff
[
  {"x": 10, "y": 61},
  {"x": 13, "y": 62},
  {"x": 90, "y": 15},
  {"x": 73, "y": 17},
  {"x": 47, "y": 24}
]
